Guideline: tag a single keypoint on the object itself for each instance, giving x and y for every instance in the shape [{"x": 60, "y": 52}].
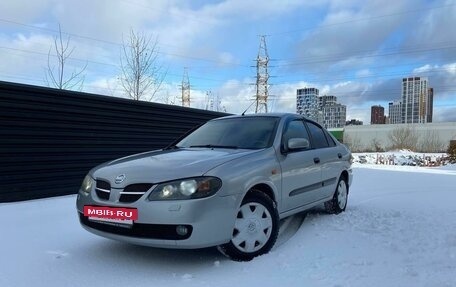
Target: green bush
[{"x": 452, "y": 151}]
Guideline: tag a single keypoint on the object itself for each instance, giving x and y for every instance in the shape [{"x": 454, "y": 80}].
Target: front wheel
[
  {"x": 255, "y": 229},
  {"x": 339, "y": 201}
]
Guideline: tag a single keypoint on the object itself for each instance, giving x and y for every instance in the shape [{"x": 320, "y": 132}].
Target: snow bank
[{"x": 401, "y": 157}]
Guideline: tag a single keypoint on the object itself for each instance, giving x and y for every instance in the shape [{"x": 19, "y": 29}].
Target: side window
[
  {"x": 295, "y": 129},
  {"x": 330, "y": 139},
  {"x": 318, "y": 136}
]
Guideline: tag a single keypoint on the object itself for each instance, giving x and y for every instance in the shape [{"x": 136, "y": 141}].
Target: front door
[{"x": 301, "y": 170}]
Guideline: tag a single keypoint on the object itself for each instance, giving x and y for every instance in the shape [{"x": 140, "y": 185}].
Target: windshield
[{"x": 242, "y": 132}]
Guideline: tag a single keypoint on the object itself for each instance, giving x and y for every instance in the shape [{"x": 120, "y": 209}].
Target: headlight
[
  {"x": 87, "y": 184},
  {"x": 190, "y": 188}
]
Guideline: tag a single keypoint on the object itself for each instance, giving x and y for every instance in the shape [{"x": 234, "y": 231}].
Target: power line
[
  {"x": 335, "y": 59},
  {"x": 363, "y": 92},
  {"x": 120, "y": 44},
  {"x": 52, "y": 55},
  {"x": 186, "y": 15},
  {"x": 377, "y": 76},
  {"x": 96, "y": 62},
  {"x": 451, "y": 88},
  {"x": 404, "y": 48},
  {"x": 224, "y": 80},
  {"x": 362, "y": 19},
  {"x": 402, "y": 66},
  {"x": 325, "y": 58},
  {"x": 213, "y": 60}
]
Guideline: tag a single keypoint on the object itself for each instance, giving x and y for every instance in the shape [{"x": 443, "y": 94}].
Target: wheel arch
[
  {"x": 344, "y": 175},
  {"x": 264, "y": 188}
]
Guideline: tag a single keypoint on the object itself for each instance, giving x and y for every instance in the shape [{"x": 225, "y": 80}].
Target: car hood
[{"x": 165, "y": 165}]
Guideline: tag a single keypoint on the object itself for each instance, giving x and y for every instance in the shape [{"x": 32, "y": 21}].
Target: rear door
[{"x": 329, "y": 156}]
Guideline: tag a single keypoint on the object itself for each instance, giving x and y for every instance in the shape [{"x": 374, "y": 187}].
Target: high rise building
[
  {"x": 417, "y": 100},
  {"x": 322, "y": 109},
  {"x": 334, "y": 115},
  {"x": 327, "y": 101},
  {"x": 307, "y": 103},
  {"x": 430, "y": 105},
  {"x": 377, "y": 115},
  {"x": 395, "y": 112}
]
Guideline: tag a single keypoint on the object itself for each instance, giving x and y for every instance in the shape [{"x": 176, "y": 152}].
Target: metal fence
[{"x": 49, "y": 139}]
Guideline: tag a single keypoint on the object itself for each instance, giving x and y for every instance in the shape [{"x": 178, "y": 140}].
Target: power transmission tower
[
  {"x": 209, "y": 101},
  {"x": 262, "y": 77},
  {"x": 185, "y": 89}
]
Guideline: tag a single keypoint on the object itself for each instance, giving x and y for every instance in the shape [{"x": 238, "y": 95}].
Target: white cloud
[
  {"x": 18, "y": 64},
  {"x": 23, "y": 10},
  {"x": 423, "y": 69},
  {"x": 346, "y": 33},
  {"x": 436, "y": 27},
  {"x": 363, "y": 73},
  {"x": 445, "y": 114},
  {"x": 450, "y": 68}
]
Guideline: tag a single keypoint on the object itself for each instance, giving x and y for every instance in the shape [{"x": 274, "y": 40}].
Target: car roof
[
  {"x": 286, "y": 116},
  {"x": 275, "y": 115}
]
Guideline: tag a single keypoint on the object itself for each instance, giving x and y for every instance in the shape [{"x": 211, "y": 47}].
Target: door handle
[
  {"x": 316, "y": 160},
  {"x": 339, "y": 155}
]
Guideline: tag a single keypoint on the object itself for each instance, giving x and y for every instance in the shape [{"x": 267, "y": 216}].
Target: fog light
[{"x": 181, "y": 230}]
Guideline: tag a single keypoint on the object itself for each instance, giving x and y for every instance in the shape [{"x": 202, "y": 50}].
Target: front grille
[
  {"x": 139, "y": 187},
  {"x": 103, "y": 189},
  {"x": 133, "y": 192},
  {"x": 151, "y": 231}
]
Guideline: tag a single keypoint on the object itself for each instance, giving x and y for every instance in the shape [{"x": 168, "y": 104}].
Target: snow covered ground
[{"x": 399, "y": 230}]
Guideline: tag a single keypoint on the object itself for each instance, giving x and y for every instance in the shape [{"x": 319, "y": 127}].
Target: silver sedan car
[{"x": 226, "y": 184}]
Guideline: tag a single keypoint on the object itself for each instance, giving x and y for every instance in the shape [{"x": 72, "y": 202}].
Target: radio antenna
[{"x": 243, "y": 113}]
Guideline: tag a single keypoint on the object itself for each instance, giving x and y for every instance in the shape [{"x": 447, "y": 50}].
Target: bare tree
[
  {"x": 168, "y": 99},
  {"x": 56, "y": 77},
  {"x": 376, "y": 145},
  {"x": 431, "y": 142},
  {"x": 353, "y": 143},
  {"x": 141, "y": 73},
  {"x": 403, "y": 138}
]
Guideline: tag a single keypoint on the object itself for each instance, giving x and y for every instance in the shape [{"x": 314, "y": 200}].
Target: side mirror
[{"x": 297, "y": 143}]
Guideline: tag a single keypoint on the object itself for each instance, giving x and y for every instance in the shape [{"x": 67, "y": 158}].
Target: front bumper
[{"x": 210, "y": 220}]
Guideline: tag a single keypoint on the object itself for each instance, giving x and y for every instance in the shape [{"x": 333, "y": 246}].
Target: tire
[
  {"x": 339, "y": 201},
  {"x": 256, "y": 228}
]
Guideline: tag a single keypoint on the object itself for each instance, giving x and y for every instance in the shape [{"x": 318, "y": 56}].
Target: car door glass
[
  {"x": 318, "y": 136},
  {"x": 295, "y": 129},
  {"x": 330, "y": 139}
]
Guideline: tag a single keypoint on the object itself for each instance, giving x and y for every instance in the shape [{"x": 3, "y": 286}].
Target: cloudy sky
[{"x": 357, "y": 50}]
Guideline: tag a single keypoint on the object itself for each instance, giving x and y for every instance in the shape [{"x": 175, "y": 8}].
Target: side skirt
[{"x": 304, "y": 207}]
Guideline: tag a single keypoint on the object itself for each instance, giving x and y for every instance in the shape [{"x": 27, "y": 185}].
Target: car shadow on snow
[{"x": 111, "y": 250}]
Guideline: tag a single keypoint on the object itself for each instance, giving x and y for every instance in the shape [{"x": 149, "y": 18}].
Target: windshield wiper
[
  {"x": 216, "y": 146},
  {"x": 171, "y": 147}
]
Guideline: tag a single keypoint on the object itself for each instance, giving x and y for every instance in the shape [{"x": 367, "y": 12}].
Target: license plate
[{"x": 116, "y": 215}]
